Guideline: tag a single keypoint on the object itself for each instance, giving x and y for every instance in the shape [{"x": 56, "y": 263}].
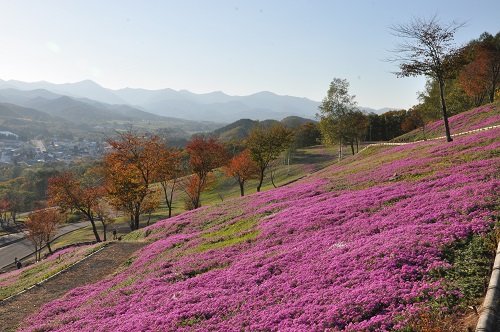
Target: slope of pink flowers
[
  {"x": 480, "y": 117},
  {"x": 350, "y": 248},
  {"x": 15, "y": 281}
]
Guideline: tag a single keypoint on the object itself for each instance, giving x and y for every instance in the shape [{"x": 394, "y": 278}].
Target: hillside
[
  {"x": 28, "y": 123},
  {"x": 11, "y": 111},
  {"x": 480, "y": 117},
  {"x": 371, "y": 243},
  {"x": 68, "y": 116},
  {"x": 240, "y": 129}
]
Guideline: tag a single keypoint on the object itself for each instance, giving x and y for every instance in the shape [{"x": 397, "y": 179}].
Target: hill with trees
[{"x": 240, "y": 129}]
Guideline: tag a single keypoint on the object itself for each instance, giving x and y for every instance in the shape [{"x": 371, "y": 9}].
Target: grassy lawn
[{"x": 17, "y": 280}]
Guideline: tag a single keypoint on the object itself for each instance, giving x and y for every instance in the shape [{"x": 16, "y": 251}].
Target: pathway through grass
[{"x": 93, "y": 269}]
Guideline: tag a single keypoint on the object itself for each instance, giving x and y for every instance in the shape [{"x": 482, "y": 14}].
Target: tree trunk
[
  {"x": 168, "y": 200},
  {"x": 272, "y": 179},
  {"x": 340, "y": 148},
  {"x": 136, "y": 219},
  {"x": 48, "y": 247},
  {"x": 352, "y": 147},
  {"x": 94, "y": 229},
  {"x": 171, "y": 199},
  {"x": 443, "y": 107},
  {"x": 261, "y": 179},
  {"x": 495, "y": 76},
  {"x": 104, "y": 228},
  {"x": 357, "y": 145},
  {"x": 242, "y": 188},
  {"x": 288, "y": 164}
]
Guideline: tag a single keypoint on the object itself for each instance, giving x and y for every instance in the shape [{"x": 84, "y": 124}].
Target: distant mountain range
[
  {"x": 85, "y": 108},
  {"x": 214, "y": 106},
  {"x": 33, "y": 113}
]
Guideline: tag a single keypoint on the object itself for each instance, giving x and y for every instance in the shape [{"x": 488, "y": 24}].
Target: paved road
[
  {"x": 6, "y": 239},
  {"x": 25, "y": 247}
]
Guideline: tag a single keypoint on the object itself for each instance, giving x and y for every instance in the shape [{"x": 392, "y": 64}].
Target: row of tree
[
  {"x": 459, "y": 78},
  {"x": 141, "y": 170}
]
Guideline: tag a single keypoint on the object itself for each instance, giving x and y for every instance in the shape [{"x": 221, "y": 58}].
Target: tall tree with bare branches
[{"x": 428, "y": 49}]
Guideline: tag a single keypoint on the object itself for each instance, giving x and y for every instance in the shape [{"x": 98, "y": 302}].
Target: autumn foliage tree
[
  {"x": 242, "y": 168},
  {"x": 205, "y": 155},
  {"x": 480, "y": 77},
  {"x": 41, "y": 227},
  {"x": 4, "y": 209},
  {"x": 266, "y": 144},
  {"x": 474, "y": 77},
  {"x": 130, "y": 169},
  {"x": 168, "y": 171},
  {"x": 69, "y": 193}
]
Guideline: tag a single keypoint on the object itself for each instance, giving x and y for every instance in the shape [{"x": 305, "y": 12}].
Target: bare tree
[{"x": 428, "y": 50}]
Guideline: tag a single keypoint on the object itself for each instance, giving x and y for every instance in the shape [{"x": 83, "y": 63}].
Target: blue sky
[{"x": 239, "y": 47}]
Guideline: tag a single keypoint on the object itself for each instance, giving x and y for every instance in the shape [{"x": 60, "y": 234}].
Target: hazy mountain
[
  {"x": 218, "y": 106},
  {"x": 83, "y": 89},
  {"x": 11, "y": 111},
  {"x": 214, "y": 106},
  {"x": 34, "y": 113},
  {"x": 29, "y": 123}
]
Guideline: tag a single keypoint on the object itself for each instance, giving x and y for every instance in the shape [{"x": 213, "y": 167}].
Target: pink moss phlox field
[
  {"x": 55, "y": 262},
  {"x": 479, "y": 117},
  {"x": 353, "y": 259}
]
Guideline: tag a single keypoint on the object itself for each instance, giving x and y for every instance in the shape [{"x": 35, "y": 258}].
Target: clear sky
[{"x": 239, "y": 47}]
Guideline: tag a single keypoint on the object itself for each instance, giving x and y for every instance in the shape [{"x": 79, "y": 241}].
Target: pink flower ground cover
[
  {"x": 480, "y": 117},
  {"x": 15, "y": 281},
  {"x": 351, "y": 248}
]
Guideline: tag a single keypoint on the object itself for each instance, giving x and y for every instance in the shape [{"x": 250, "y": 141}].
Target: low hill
[
  {"x": 235, "y": 131},
  {"x": 380, "y": 241},
  {"x": 11, "y": 111},
  {"x": 29, "y": 123},
  {"x": 295, "y": 121},
  {"x": 241, "y": 129}
]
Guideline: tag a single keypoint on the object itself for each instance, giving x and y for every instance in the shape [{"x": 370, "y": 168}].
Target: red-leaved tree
[
  {"x": 242, "y": 168},
  {"x": 205, "y": 155}
]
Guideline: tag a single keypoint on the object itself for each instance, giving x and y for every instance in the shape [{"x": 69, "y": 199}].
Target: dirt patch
[{"x": 93, "y": 269}]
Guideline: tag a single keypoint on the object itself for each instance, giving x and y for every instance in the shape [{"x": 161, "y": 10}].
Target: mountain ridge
[{"x": 216, "y": 106}]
